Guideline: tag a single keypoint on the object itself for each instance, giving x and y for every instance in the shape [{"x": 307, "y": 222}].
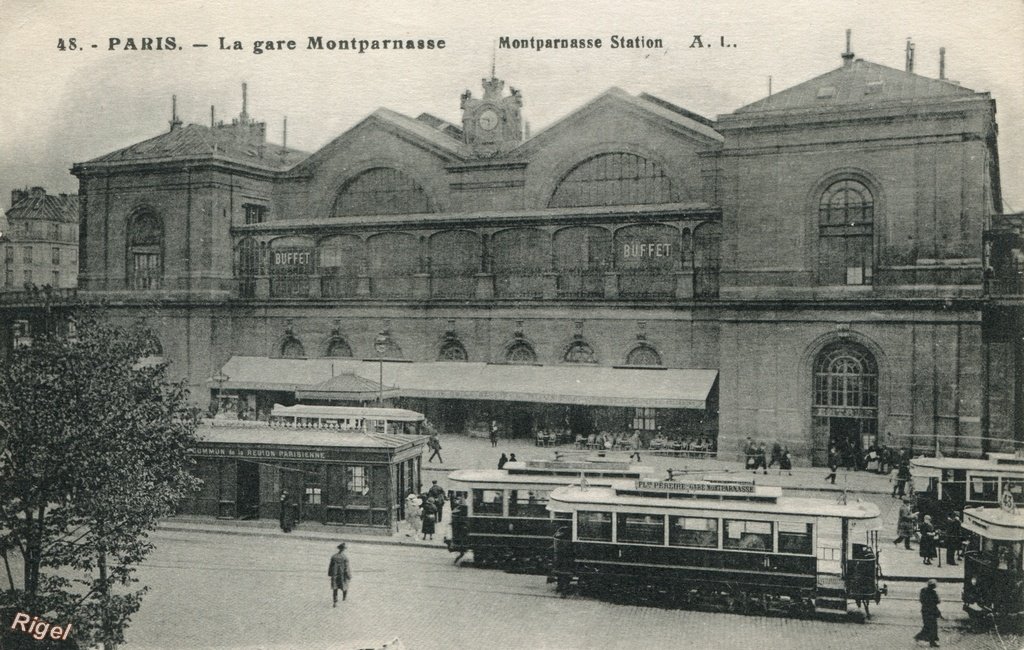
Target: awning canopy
[
  {"x": 346, "y": 387},
  {"x": 682, "y": 388}
]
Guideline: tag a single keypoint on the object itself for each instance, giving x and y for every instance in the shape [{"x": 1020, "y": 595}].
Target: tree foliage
[{"x": 95, "y": 451}]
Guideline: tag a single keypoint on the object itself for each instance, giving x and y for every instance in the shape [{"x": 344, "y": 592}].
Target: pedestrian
[
  {"x": 435, "y": 444},
  {"x": 930, "y": 615},
  {"x": 928, "y": 539},
  {"x": 902, "y": 476},
  {"x": 429, "y": 516},
  {"x": 786, "y": 461},
  {"x": 436, "y": 492},
  {"x": 512, "y": 458},
  {"x": 340, "y": 574},
  {"x": 283, "y": 515},
  {"x": 502, "y": 461},
  {"x": 905, "y": 525},
  {"x": 776, "y": 454},
  {"x": 759, "y": 458},
  {"x": 494, "y": 433},
  {"x": 833, "y": 465},
  {"x": 412, "y": 512},
  {"x": 953, "y": 538},
  {"x": 634, "y": 445},
  {"x": 749, "y": 451}
]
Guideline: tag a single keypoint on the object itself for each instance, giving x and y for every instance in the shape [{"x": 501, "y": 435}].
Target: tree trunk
[{"x": 101, "y": 564}]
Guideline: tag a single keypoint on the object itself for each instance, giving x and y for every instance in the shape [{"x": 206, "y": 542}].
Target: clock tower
[{"x": 492, "y": 125}]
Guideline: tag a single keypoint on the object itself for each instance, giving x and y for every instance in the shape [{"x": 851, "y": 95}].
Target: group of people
[
  {"x": 424, "y": 511},
  {"x": 503, "y": 459},
  {"x": 757, "y": 457},
  {"x": 909, "y": 524}
]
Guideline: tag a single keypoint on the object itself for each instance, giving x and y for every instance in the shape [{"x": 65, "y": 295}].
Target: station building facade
[{"x": 807, "y": 268}]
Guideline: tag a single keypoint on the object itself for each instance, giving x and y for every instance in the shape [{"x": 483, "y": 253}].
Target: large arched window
[
  {"x": 613, "y": 179},
  {"x": 845, "y": 406},
  {"x": 381, "y": 190},
  {"x": 846, "y": 214},
  {"x": 643, "y": 355},
  {"x": 579, "y": 352},
  {"x": 145, "y": 251},
  {"x": 520, "y": 352},
  {"x": 292, "y": 348}
]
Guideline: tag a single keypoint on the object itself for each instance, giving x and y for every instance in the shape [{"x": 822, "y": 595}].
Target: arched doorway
[{"x": 845, "y": 400}]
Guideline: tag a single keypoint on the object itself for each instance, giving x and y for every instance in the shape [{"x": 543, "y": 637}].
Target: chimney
[
  {"x": 38, "y": 192},
  {"x": 526, "y": 130},
  {"x": 175, "y": 122},
  {"x": 211, "y": 116},
  {"x": 847, "y": 55},
  {"x": 284, "y": 137},
  {"x": 243, "y": 117},
  {"x": 18, "y": 196},
  {"x": 942, "y": 63},
  {"x": 910, "y": 55}
]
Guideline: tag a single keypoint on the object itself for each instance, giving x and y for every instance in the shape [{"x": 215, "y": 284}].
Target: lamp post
[
  {"x": 380, "y": 344},
  {"x": 220, "y": 378}
]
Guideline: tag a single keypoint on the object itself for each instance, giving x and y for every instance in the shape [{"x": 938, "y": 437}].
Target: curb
[{"x": 310, "y": 536}]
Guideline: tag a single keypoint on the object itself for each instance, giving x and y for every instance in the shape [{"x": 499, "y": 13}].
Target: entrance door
[
  {"x": 845, "y": 394},
  {"x": 844, "y": 435},
  {"x": 248, "y": 490},
  {"x": 291, "y": 480}
]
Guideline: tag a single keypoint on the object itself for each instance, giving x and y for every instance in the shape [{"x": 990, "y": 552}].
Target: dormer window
[{"x": 254, "y": 213}]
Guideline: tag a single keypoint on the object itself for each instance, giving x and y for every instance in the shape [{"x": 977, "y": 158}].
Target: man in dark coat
[
  {"x": 833, "y": 465},
  {"x": 436, "y": 492},
  {"x": 930, "y": 615},
  {"x": 340, "y": 573},
  {"x": 502, "y": 461},
  {"x": 952, "y": 537},
  {"x": 902, "y": 476},
  {"x": 285, "y": 514}
]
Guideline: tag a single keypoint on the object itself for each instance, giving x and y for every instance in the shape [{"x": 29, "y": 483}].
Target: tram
[
  {"x": 504, "y": 517},
  {"x": 994, "y": 564},
  {"x": 347, "y": 418},
  {"x": 957, "y": 483},
  {"x": 729, "y": 545}
]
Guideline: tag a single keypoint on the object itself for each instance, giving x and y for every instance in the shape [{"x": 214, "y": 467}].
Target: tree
[{"x": 95, "y": 450}]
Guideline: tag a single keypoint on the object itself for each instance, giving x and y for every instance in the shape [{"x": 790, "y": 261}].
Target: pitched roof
[
  {"x": 860, "y": 83},
  {"x": 39, "y": 206},
  {"x": 228, "y": 142}
]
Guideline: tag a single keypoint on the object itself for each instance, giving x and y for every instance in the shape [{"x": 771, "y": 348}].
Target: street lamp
[{"x": 380, "y": 344}]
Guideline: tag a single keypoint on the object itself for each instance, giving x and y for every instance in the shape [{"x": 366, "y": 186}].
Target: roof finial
[
  {"x": 942, "y": 63},
  {"x": 848, "y": 54},
  {"x": 211, "y": 116},
  {"x": 175, "y": 122},
  {"x": 494, "y": 59},
  {"x": 910, "y": 55},
  {"x": 284, "y": 137}
]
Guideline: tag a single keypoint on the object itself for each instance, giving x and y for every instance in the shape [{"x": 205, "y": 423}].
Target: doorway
[{"x": 247, "y": 481}]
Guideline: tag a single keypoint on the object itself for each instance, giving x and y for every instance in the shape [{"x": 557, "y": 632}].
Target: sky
[{"x": 61, "y": 107}]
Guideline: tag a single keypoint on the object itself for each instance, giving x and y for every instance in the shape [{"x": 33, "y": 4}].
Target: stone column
[
  {"x": 484, "y": 286},
  {"x": 363, "y": 288},
  {"x": 550, "y": 285},
  {"x": 611, "y": 284},
  {"x": 421, "y": 286},
  {"x": 684, "y": 284},
  {"x": 263, "y": 287}
]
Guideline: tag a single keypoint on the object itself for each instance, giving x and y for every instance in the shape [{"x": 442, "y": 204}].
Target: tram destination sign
[{"x": 693, "y": 486}]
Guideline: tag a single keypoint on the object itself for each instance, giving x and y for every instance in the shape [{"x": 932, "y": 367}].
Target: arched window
[
  {"x": 521, "y": 352},
  {"x": 453, "y": 351},
  {"x": 846, "y": 214},
  {"x": 643, "y": 355},
  {"x": 845, "y": 401},
  {"x": 337, "y": 347},
  {"x": 381, "y": 190},
  {"x": 292, "y": 349},
  {"x": 579, "y": 352},
  {"x": 613, "y": 179},
  {"x": 145, "y": 251}
]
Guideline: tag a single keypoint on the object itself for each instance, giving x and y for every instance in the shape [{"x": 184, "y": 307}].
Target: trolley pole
[{"x": 380, "y": 344}]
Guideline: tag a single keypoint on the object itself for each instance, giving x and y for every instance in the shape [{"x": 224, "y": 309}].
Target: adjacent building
[
  {"x": 40, "y": 243},
  {"x": 807, "y": 268}
]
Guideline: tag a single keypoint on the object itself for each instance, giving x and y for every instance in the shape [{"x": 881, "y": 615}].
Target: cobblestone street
[{"x": 215, "y": 590}]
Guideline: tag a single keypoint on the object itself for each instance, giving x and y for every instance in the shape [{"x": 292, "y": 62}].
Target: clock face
[{"x": 488, "y": 120}]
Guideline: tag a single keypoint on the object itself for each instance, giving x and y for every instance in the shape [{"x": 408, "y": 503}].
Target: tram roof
[
  {"x": 704, "y": 502},
  {"x": 266, "y": 435},
  {"x": 995, "y": 523},
  {"x": 315, "y": 411},
  {"x": 520, "y": 473},
  {"x": 998, "y": 463}
]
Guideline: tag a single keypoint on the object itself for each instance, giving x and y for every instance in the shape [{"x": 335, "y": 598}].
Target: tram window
[
  {"x": 984, "y": 488},
  {"x": 528, "y": 503},
  {"x": 693, "y": 531},
  {"x": 641, "y": 529},
  {"x": 748, "y": 535},
  {"x": 796, "y": 538},
  {"x": 487, "y": 503},
  {"x": 1014, "y": 486},
  {"x": 595, "y": 526}
]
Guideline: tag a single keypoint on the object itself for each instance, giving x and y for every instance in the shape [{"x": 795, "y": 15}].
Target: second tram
[
  {"x": 503, "y": 517},
  {"x": 733, "y": 545},
  {"x": 957, "y": 483},
  {"x": 994, "y": 565}
]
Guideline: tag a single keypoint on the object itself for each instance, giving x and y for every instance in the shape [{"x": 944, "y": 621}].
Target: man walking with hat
[{"x": 339, "y": 572}]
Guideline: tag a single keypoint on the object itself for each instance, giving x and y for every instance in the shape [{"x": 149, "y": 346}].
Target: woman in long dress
[
  {"x": 412, "y": 513},
  {"x": 429, "y": 517}
]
